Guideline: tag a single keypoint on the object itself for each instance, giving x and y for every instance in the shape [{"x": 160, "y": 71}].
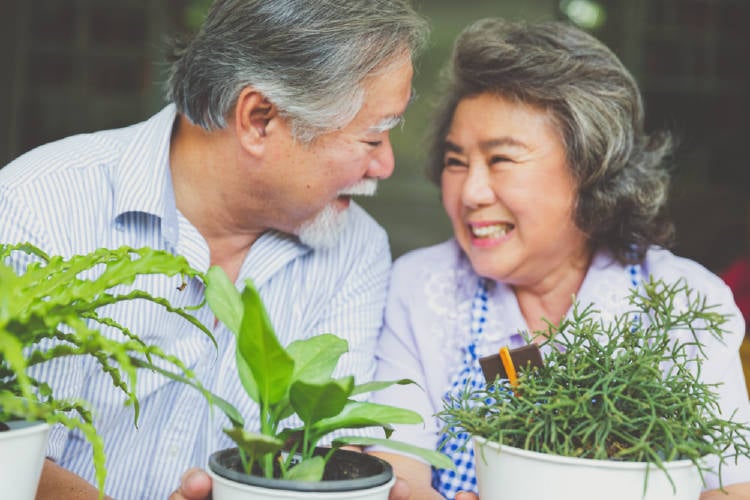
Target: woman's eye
[
  {"x": 453, "y": 163},
  {"x": 499, "y": 159}
]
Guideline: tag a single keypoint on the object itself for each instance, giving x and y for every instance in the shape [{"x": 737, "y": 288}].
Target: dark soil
[
  {"x": 340, "y": 466},
  {"x": 346, "y": 470}
]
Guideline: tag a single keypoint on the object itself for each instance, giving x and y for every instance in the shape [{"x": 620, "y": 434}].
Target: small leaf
[
  {"x": 254, "y": 444},
  {"x": 315, "y": 358},
  {"x": 246, "y": 377},
  {"x": 225, "y": 406},
  {"x": 358, "y": 414},
  {"x": 314, "y": 402},
  {"x": 310, "y": 469},
  {"x": 430, "y": 456},
  {"x": 378, "y": 386},
  {"x": 269, "y": 363},
  {"x": 223, "y": 298}
]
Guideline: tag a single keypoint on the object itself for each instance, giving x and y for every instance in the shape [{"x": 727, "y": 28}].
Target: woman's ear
[{"x": 253, "y": 112}]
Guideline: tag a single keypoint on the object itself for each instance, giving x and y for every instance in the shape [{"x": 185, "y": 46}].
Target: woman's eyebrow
[{"x": 487, "y": 144}]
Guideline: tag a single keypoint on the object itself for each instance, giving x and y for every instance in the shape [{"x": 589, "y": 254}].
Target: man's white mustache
[{"x": 365, "y": 187}]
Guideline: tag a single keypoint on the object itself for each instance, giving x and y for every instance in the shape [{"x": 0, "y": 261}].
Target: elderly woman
[{"x": 553, "y": 190}]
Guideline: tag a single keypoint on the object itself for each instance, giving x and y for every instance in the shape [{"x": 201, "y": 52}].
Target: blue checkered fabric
[{"x": 458, "y": 448}]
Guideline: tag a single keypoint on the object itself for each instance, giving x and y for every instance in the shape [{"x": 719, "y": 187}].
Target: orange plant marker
[{"x": 510, "y": 369}]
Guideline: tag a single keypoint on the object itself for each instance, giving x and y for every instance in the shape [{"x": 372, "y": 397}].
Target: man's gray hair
[
  {"x": 597, "y": 108},
  {"x": 307, "y": 57}
]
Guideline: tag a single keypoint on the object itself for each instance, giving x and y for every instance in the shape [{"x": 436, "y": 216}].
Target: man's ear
[{"x": 253, "y": 112}]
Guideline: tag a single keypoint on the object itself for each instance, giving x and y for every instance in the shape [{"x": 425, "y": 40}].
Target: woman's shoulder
[
  {"x": 663, "y": 264},
  {"x": 444, "y": 255},
  {"x": 437, "y": 270}
]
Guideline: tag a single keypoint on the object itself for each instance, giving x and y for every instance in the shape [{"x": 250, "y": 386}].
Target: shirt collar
[{"x": 142, "y": 180}]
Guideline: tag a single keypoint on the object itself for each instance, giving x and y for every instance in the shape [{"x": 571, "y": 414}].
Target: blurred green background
[{"x": 82, "y": 65}]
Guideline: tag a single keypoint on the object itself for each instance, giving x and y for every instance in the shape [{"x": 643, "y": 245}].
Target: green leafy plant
[
  {"x": 622, "y": 390},
  {"x": 297, "y": 380},
  {"x": 51, "y": 310}
]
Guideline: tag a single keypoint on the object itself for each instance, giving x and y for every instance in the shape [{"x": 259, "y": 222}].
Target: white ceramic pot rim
[
  {"x": 590, "y": 462},
  {"x": 20, "y": 428},
  {"x": 382, "y": 474}
]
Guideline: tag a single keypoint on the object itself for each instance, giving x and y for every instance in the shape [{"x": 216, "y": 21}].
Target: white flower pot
[
  {"x": 507, "y": 472},
  {"x": 21, "y": 458},
  {"x": 230, "y": 484}
]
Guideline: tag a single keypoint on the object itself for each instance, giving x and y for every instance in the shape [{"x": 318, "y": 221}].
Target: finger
[
  {"x": 463, "y": 495},
  {"x": 400, "y": 490},
  {"x": 194, "y": 485}
]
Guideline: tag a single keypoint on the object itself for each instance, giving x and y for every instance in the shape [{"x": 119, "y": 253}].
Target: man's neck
[{"x": 201, "y": 163}]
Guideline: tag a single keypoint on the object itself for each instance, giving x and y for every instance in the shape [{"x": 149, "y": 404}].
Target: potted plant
[
  {"x": 617, "y": 406},
  {"x": 282, "y": 462},
  {"x": 52, "y": 309}
]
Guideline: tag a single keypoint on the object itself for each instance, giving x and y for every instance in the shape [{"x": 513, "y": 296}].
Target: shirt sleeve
[{"x": 724, "y": 367}]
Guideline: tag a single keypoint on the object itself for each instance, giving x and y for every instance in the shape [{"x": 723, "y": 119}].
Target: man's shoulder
[
  {"x": 86, "y": 154},
  {"x": 71, "y": 157}
]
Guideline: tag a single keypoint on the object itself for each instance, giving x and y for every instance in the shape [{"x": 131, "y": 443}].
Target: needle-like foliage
[
  {"x": 628, "y": 389},
  {"x": 51, "y": 309}
]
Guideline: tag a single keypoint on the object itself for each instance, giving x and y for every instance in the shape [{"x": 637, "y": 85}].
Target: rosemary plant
[
  {"x": 51, "y": 310},
  {"x": 625, "y": 390}
]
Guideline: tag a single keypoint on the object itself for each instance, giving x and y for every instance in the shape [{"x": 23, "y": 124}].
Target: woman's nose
[{"x": 477, "y": 190}]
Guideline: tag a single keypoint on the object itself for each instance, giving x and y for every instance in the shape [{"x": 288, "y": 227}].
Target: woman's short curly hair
[{"x": 595, "y": 102}]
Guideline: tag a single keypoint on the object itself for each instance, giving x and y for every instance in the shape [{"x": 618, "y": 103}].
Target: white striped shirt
[{"x": 113, "y": 188}]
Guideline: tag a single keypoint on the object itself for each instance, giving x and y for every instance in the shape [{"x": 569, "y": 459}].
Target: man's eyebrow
[{"x": 387, "y": 123}]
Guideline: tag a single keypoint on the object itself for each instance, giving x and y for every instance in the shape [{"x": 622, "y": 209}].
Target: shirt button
[{"x": 174, "y": 450}]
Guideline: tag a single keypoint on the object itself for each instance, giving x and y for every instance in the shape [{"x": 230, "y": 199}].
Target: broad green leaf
[
  {"x": 254, "y": 444},
  {"x": 223, "y": 299},
  {"x": 357, "y": 414},
  {"x": 310, "y": 469},
  {"x": 430, "y": 456},
  {"x": 269, "y": 363},
  {"x": 315, "y": 358},
  {"x": 378, "y": 386},
  {"x": 314, "y": 402}
]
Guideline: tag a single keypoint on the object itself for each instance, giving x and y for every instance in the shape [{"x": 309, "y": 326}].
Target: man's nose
[{"x": 383, "y": 163}]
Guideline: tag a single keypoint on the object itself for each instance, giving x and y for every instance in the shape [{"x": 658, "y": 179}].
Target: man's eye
[{"x": 374, "y": 144}]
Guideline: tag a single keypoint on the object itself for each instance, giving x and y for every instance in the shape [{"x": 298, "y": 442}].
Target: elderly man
[{"x": 279, "y": 113}]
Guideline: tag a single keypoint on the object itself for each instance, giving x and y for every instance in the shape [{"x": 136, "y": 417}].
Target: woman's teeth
[{"x": 493, "y": 231}]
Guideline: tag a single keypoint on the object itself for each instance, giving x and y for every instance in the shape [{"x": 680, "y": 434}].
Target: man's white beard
[{"x": 324, "y": 230}]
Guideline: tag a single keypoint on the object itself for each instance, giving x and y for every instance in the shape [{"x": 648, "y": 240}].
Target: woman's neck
[{"x": 551, "y": 298}]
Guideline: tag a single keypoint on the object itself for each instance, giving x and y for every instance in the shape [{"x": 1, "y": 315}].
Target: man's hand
[{"x": 194, "y": 485}]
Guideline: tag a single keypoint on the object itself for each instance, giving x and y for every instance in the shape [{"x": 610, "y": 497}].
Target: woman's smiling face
[{"x": 509, "y": 193}]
